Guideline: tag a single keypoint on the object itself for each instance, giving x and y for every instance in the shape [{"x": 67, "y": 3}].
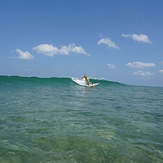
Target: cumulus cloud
[
  {"x": 108, "y": 42},
  {"x": 71, "y": 48},
  {"x": 161, "y": 71},
  {"x": 24, "y": 55},
  {"x": 50, "y": 50},
  {"x": 143, "y": 73},
  {"x": 141, "y": 37},
  {"x": 46, "y": 49},
  {"x": 111, "y": 66},
  {"x": 140, "y": 65}
]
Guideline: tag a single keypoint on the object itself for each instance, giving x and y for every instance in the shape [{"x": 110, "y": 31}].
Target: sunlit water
[{"x": 56, "y": 120}]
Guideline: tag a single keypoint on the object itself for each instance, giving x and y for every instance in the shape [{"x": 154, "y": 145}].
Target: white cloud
[
  {"x": 161, "y": 62},
  {"x": 111, "y": 66},
  {"x": 143, "y": 73},
  {"x": 71, "y": 48},
  {"x": 50, "y": 50},
  {"x": 46, "y": 49},
  {"x": 140, "y": 65},
  {"x": 141, "y": 37},
  {"x": 108, "y": 42},
  {"x": 24, "y": 55},
  {"x": 161, "y": 71}
]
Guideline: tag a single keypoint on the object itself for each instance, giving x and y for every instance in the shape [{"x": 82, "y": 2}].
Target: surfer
[{"x": 87, "y": 81}]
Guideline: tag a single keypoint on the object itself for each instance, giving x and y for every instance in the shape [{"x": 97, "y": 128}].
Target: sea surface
[{"x": 50, "y": 120}]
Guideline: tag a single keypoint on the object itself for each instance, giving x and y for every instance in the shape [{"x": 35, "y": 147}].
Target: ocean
[{"x": 50, "y": 120}]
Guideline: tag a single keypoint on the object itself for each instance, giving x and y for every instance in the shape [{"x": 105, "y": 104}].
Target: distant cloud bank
[
  {"x": 140, "y": 65},
  {"x": 143, "y": 73}
]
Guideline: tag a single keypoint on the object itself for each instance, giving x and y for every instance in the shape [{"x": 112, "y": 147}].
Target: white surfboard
[
  {"x": 94, "y": 84},
  {"x": 82, "y": 82}
]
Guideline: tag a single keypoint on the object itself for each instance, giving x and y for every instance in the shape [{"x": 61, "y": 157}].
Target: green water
[{"x": 56, "y": 120}]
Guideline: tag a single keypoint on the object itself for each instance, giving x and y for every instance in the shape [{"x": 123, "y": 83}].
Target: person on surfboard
[{"x": 87, "y": 81}]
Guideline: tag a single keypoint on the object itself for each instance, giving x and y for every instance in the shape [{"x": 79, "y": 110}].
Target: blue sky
[{"x": 112, "y": 39}]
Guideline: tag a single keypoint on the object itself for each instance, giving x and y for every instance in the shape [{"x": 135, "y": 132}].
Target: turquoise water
[{"x": 56, "y": 120}]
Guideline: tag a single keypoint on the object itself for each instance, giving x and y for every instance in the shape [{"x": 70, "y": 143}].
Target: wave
[
  {"x": 107, "y": 82},
  {"x": 53, "y": 80}
]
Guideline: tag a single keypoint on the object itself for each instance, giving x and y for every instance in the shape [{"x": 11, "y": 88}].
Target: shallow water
[{"x": 56, "y": 120}]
